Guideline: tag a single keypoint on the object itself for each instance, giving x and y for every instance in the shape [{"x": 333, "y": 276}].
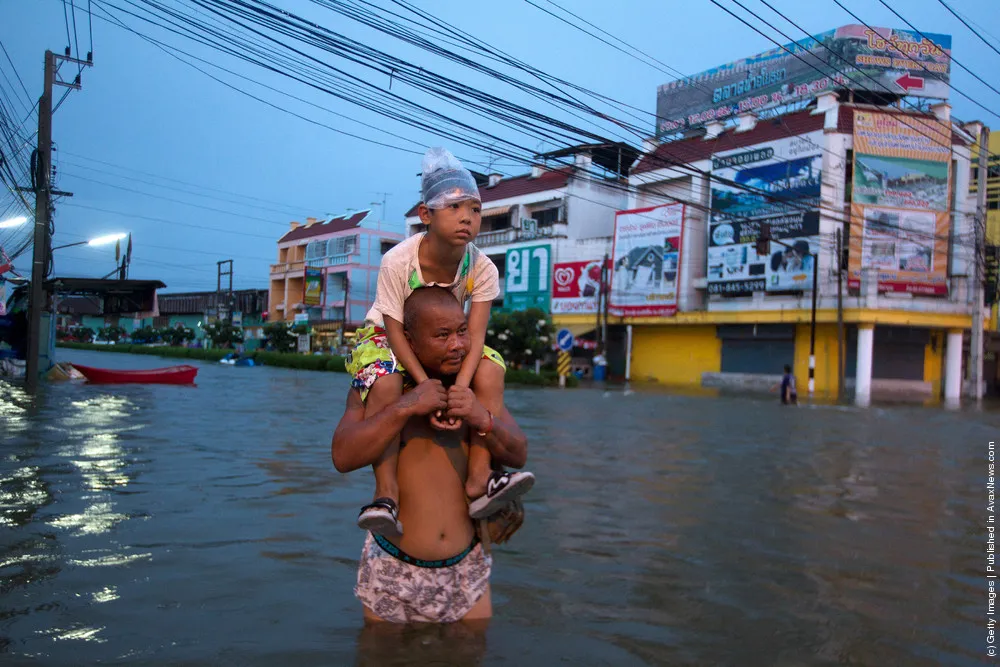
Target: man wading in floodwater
[{"x": 438, "y": 571}]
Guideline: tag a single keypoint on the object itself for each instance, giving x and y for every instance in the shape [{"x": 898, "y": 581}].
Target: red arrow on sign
[{"x": 909, "y": 82}]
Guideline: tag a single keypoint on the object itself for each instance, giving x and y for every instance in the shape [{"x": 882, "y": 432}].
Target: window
[
  {"x": 344, "y": 245},
  {"x": 546, "y": 218},
  {"x": 386, "y": 246},
  {"x": 316, "y": 250}
]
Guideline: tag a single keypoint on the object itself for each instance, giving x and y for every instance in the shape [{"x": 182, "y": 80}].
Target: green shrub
[{"x": 337, "y": 365}]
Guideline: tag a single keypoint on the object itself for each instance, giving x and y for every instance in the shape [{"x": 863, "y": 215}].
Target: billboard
[
  {"x": 646, "y": 261},
  {"x": 312, "y": 287},
  {"x": 904, "y": 62},
  {"x": 899, "y": 203},
  {"x": 576, "y": 287},
  {"x": 777, "y": 182},
  {"x": 526, "y": 282}
]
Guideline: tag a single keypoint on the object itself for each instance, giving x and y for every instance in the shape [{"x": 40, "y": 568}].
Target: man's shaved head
[
  {"x": 424, "y": 301},
  {"x": 435, "y": 327}
]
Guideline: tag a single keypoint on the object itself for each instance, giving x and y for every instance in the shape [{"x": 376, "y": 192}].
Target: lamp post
[
  {"x": 99, "y": 241},
  {"x": 13, "y": 222}
]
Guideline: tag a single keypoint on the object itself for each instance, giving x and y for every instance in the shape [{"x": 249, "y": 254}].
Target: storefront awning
[{"x": 497, "y": 210}]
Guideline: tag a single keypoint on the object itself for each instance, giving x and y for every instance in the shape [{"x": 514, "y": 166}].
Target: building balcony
[
  {"x": 333, "y": 260},
  {"x": 287, "y": 267},
  {"x": 559, "y": 230}
]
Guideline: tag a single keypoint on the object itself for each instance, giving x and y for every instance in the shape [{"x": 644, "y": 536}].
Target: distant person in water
[{"x": 789, "y": 396}]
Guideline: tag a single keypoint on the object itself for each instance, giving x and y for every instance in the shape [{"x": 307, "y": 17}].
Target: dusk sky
[{"x": 198, "y": 172}]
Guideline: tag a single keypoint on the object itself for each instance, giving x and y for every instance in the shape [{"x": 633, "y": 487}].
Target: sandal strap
[{"x": 382, "y": 503}]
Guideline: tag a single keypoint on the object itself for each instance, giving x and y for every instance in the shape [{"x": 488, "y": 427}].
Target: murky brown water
[{"x": 156, "y": 525}]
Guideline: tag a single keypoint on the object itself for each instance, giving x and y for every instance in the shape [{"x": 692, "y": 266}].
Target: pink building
[{"x": 341, "y": 256}]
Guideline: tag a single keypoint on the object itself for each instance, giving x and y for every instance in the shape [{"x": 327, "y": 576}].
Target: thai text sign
[
  {"x": 646, "y": 261},
  {"x": 857, "y": 57},
  {"x": 576, "y": 286},
  {"x": 899, "y": 203},
  {"x": 777, "y": 182},
  {"x": 527, "y": 283}
]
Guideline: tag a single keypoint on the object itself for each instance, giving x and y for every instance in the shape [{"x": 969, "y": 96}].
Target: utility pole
[
  {"x": 976, "y": 346},
  {"x": 764, "y": 239},
  {"x": 840, "y": 316},
  {"x": 43, "y": 210},
  {"x": 228, "y": 300}
]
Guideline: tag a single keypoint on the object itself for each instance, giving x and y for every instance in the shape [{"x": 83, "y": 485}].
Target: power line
[
  {"x": 971, "y": 29},
  {"x": 974, "y": 101},
  {"x": 951, "y": 57},
  {"x": 230, "y": 232},
  {"x": 27, "y": 95}
]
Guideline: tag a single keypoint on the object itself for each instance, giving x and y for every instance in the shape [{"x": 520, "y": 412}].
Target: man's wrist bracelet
[{"x": 488, "y": 428}]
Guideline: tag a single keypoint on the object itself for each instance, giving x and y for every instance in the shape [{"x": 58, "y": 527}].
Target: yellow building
[{"x": 905, "y": 297}]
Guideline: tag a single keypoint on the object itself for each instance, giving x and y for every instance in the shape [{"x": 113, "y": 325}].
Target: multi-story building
[
  {"x": 992, "y": 254},
  {"x": 560, "y": 214},
  {"x": 820, "y": 177},
  {"x": 327, "y": 271}
]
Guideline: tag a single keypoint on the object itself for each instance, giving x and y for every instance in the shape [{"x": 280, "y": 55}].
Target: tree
[
  {"x": 111, "y": 334},
  {"x": 177, "y": 335},
  {"x": 521, "y": 337},
  {"x": 279, "y": 337},
  {"x": 145, "y": 335},
  {"x": 223, "y": 334}
]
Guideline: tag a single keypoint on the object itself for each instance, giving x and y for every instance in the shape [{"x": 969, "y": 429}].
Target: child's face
[{"x": 456, "y": 224}]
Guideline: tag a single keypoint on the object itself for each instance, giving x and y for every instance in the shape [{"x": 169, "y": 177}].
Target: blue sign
[{"x": 564, "y": 339}]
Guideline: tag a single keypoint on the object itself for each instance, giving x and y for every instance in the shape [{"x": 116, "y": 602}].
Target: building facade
[
  {"x": 327, "y": 272},
  {"x": 891, "y": 305}
]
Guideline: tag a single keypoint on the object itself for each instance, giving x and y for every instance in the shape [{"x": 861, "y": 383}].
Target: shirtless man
[{"x": 438, "y": 571}]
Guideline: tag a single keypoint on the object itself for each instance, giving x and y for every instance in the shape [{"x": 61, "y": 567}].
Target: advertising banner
[
  {"x": 646, "y": 261},
  {"x": 313, "y": 287},
  {"x": 576, "y": 287},
  {"x": 899, "y": 203},
  {"x": 856, "y": 57},
  {"x": 777, "y": 182},
  {"x": 527, "y": 283}
]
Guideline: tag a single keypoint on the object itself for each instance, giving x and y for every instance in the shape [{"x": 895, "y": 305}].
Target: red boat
[{"x": 169, "y": 375}]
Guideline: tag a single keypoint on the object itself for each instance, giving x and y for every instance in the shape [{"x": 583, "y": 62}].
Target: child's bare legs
[
  {"x": 488, "y": 385},
  {"x": 377, "y": 517},
  {"x": 490, "y": 491}
]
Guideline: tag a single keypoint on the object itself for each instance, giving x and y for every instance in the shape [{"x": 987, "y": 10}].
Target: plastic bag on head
[{"x": 444, "y": 180}]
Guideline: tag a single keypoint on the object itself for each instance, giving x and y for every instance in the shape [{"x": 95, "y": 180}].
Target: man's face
[
  {"x": 456, "y": 224},
  {"x": 440, "y": 339}
]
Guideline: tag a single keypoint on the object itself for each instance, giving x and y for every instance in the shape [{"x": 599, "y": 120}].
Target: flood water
[{"x": 158, "y": 525}]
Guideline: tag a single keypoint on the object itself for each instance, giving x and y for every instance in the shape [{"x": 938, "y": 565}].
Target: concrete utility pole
[
  {"x": 42, "y": 188},
  {"x": 976, "y": 347},
  {"x": 40, "y": 255}
]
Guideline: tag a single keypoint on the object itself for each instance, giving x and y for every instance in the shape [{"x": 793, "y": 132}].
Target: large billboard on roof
[{"x": 885, "y": 60}]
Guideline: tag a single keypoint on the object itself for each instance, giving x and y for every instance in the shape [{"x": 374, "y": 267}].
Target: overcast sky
[{"x": 241, "y": 170}]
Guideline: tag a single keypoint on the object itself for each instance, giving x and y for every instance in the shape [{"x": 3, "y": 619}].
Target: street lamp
[
  {"x": 13, "y": 222},
  {"x": 100, "y": 240}
]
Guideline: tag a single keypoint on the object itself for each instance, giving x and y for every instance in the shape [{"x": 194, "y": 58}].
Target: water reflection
[{"x": 153, "y": 526}]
